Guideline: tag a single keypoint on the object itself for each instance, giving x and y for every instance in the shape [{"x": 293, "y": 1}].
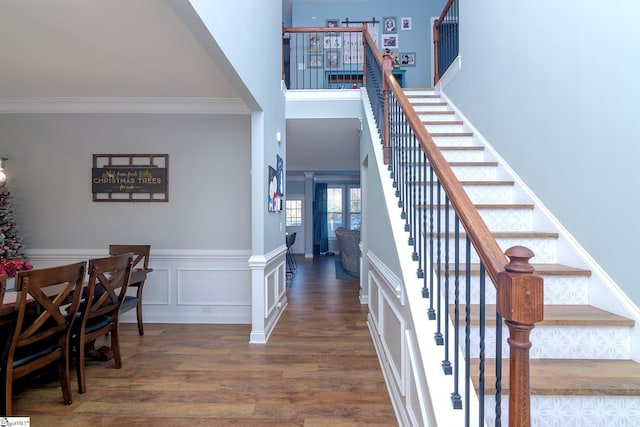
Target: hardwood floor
[{"x": 319, "y": 368}]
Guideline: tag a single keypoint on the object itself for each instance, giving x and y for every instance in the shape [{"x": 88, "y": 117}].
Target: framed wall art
[
  {"x": 389, "y": 41},
  {"x": 331, "y": 59},
  {"x": 130, "y": 178},
  {"x": 389, "y": 25},
  {"x": 407, "y": 59},
  {"x": 332, "y": 23},
  {"x": 314, "y": 60},
  {"x": 314, "y": 42}
]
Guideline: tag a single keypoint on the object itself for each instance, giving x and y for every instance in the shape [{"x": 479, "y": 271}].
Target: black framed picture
[
  {"x": 389, "y": 25},
  {"x": 407, "y": 59},
  {"x": 332, "y": 23}
]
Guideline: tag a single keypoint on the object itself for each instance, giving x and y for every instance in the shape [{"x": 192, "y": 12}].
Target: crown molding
[{"x": 123, "y": 105}]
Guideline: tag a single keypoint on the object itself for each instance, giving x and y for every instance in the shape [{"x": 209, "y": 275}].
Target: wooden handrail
[
  {"x": 321, "y": 30},
  {"x": 446, "y": 9},
  {"x": 477, "y": 231},
  {"x": 519, "y": 292}
]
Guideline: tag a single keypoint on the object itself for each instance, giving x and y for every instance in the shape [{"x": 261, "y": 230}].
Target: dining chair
[
  {"x": 139, "y": 273},
  {"x": 98, "y": 313},
  {"x": 46, "y": 304}
]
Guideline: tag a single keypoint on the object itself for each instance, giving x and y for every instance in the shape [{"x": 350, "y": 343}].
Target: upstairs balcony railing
[
  {"x": 323, "y": 58},
  {"x": 445, "y": 39},
  {"x": 448, "y": 238}
]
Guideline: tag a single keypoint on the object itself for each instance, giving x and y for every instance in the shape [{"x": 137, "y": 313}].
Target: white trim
[
  {"x": 391, "y": 280},
  {"x": 451, "y": 72},
  {"x": 128, "y": 105},
  {"x": 322, "y": 95}
]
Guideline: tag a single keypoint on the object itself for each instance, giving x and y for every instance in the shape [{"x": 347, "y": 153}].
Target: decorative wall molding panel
[
  {"x": 173, "y": 105},
  {"x": 186, "y": 286}
]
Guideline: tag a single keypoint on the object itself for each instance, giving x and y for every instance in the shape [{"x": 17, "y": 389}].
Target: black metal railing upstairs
[
  {"x": 445, "y": 39},
  {"x": 373, "y": 78},
  {"x": 323, "y": 58},
  {"x": 451, "y": 244}
]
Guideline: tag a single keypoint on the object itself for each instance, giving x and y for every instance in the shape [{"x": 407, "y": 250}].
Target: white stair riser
[
  {"x": 573, "y": 411},
  {"x": 463, "y": 173},
  {"x": 497, "y": 220},
  {"x": 435, "y": 117},
  {"x": 569, "y": 342},
  {"x": 475, "y": 173},
  {"x": 479, "y": 194},
  {"x": 557, "y": 289},
  {"x": 442, "y": 128},
  {"x": 544, "y": 248},
  {"x": 424, "y": 92},
  {"x": 453, "y": 140},
  {"x": 430, "y": 105},
  {"x": 457, "y": 155}
]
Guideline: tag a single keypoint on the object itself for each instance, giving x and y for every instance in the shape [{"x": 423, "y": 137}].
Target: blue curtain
[{"x": 320, "y": 232}]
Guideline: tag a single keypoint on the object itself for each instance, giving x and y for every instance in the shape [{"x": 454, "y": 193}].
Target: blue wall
[
  {"x": 554, "y": 87},
  {"x": 418, "y": 39}
]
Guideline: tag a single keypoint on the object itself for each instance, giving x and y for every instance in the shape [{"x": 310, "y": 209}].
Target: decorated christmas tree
[{"x": 12, "y": 257}]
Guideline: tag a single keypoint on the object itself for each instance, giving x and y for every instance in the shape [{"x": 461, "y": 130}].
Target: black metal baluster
[
  {"x": 467, "y": 333},
  {"x": 415, "y": 188},
  {"x": 409, "y": 180},
  {"x": 422, "y": 229},
  {"x": 446, "y": 363},
  {"x": 402, "y": 166},
  {"x": 481, "y": 380},
  {"x": 438, "y": 294},
  {"x": 431, "y": 312},
  {"x": 455, "y": 396},
  {"x": 498, "y": 422}
]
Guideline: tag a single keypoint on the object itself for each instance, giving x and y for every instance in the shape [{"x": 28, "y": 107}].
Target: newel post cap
[{"x": 520, "y": 296}]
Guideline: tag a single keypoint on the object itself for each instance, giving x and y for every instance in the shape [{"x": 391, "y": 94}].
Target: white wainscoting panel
[
  {"x": 213, "y": 287},
  {"x": 186, "y": 286},
  {"x": 156, "y": 289}
]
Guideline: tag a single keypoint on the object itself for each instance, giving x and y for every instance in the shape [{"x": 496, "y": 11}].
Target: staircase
[{"x": 582, "y": 372}]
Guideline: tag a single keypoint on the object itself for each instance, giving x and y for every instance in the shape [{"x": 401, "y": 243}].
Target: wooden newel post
[
  {"x": 387, "y": 65},
  {"x": 520, "y": 302}
]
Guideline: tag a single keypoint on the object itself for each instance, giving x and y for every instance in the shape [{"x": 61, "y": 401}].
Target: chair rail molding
[{"x": 126, "y": 105}]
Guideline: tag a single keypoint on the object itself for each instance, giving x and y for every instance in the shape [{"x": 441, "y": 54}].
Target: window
[
  {"x": 344, "y": 206},
  {"x": 355, "y": 208},
  {"x": 334, "y": 210},
  {"x": 293, "y": 213}
]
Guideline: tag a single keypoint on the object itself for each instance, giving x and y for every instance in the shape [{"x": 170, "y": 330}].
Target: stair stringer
[
  {"x": 419, "y": 376},
  {"x": 604, "y": 293}
]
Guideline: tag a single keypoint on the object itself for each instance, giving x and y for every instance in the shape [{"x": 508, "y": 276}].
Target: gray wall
[
  {"x": 249, "y": 51},
  {"x": 554, "y": 87},
  {"x": 49, "y": 168}
]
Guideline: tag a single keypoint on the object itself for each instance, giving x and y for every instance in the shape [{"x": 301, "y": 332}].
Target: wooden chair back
[
  {"x": 138, "y": 277},
  {"x": 108, "y": 281},
  {"x": 46, "y": 305},
  {"x": 107, "y": 288},
  {"x": 141, "y": 253}
]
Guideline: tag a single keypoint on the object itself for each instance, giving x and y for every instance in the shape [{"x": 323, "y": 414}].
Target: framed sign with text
[{"x": 130, "y": 178}]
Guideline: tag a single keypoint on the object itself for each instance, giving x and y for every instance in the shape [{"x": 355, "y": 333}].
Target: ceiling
[{"x": 141, "y": 48}]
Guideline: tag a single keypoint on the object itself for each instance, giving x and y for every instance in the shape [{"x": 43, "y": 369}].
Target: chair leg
[
  {"x": 7, "y": 409},
  {"x": 115, "y": 345},
  {"x": 65, "y": 378},
  {"x": 139, "y": 316},
  {"x": 80, "y": 366},
  {"x": 139, "y": 310}
]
